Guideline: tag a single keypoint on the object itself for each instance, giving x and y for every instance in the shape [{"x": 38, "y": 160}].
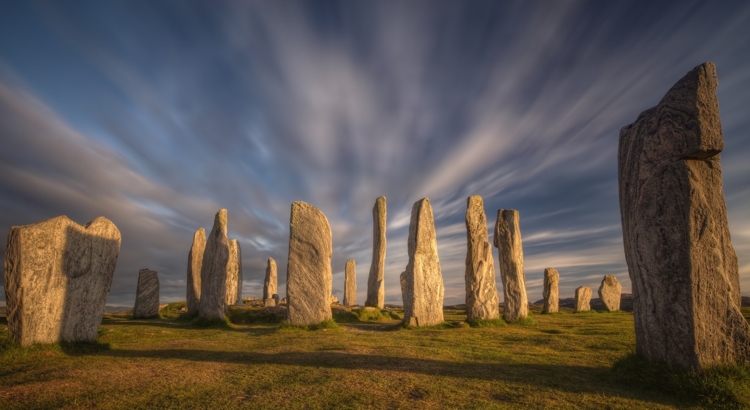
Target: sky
[{"x": 156, "y": 114}]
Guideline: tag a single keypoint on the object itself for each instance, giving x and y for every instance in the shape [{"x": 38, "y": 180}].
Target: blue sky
[{"x": 155, "y": 114}]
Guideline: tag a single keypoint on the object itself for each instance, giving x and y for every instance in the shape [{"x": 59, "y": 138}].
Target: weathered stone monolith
[
  {"x": 481, "y": 293},
  {"x": 610, "y": 292},
  {"x": 147, "y": 295},
  {"x": 375, "y": 281},
  {"x": 350, "y": 283},
  {"x": 234, "y": 272},
  {"x": 308, "y": 275},
  {"x": 550, "y": 293},
  {"x": 682, "y": 266},
  {"x": 510, "y": 251},
  {"x": 583, "y": 299},
  {"x": 214, "y": 271},
  {"x": 422, "y": 282},
  {"x": 57, "y": 278},
  {"x": 195, "y": 261},
  {"x": 270, "y": 285}
]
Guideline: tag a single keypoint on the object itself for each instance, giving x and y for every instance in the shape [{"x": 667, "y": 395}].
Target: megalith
[
  {"x": 510, "y": 252},
  {"x": 422, "y": 282},
  {"x": 350, "y": 283},
  {"x": 550, "y": 292},
  {"x": 308, "y": 273},
  {"x": 583, "y": 299},
  {"x": 195, "y": 261},
  {"x": 682, "y": 266},
  {"x": 234, "y": 274},
  {"x": 610, "y": 292},
  {"x": 57, "y": 278},
  {"x": 270, "y": 285},
  {"x": 375, "y": 282},
  {"x": 481, "y": 293},
  {"x": 214, "y": 271},
  {"x": 147, "y": 295}
]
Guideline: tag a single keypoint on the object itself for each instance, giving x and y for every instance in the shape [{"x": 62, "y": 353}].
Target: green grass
[{"x": 562, "y": 361}]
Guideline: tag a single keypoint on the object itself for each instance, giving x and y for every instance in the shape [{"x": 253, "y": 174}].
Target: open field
[{"x": 560, "y": 361}]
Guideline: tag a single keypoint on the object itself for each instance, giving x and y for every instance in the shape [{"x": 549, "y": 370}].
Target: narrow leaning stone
[
  {"x": 350, "y": 283},
  {"x": 270, "y": 284},
  {"x": 239, "y": 302},
  {"x": 610, "y": 292},
  {"x": 234, "y": 270},
  {"x": 308, "y": 275},
  {"x": 550, "y": 293},
  {"x": 682, "y": 266},
  {"x": 375, "y": 281},
  {"x": 481, "y": 293},
  {"x": 510, "y": 251},
  {"x": 583, "y": 299},
  {"x": 422, "y": 282},
  {"x": 214, "y": 271},
  {"x": 147, "y": 295},
  {"x": 57, "y": 278},
  {"x": 195, "y": 261}
]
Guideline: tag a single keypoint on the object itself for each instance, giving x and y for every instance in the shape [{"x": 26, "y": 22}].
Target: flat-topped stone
[
  {"x": 582, "y": 299},
  {"x": 510, "y": 250},
  {"x": 550, "y": 293}
]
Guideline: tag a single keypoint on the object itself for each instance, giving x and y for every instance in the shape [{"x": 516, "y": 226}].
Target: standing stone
[
  {"x": 422, "y": 282},
  {"x": 550, "y": 294},
  {"x": 350, "y": 283},
  {"x": 682, "y": 266},
  {"x": 375, "y": 281},
  {"x": 195, "y": 261},
  {"x": 147, "y": 295},
  {"x": 239, "y": 301},
  {"x": 57, "y": 278},
  {"x": 334, "y": 300},
  {"x": 270, "y": 285},
  {"x": 583, "y": 299},
  {"x": 481, "y": 293},
  {"x": 609, "y": 292},
  {"x": 234, "y": 268},
  {"x": 308, "y": 273},
  {"x": 214, "y": 271},
  {"x": 510, "y": 251}
]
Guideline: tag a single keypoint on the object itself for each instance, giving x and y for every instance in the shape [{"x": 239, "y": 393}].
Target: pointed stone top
[
  {"x": 220, "y": 221},
  {"x": 271, "y": 261},
  {"x": 200, "y": 232}
]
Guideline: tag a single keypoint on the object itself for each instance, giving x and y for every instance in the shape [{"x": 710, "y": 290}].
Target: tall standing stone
[
  {"x": 234, "y": 272},
  {"x": 375, "y": 281},
  {"x": 422, "y": 282},
  {"x": 350, "y": 283},
  {"x": 583, "y": 299},
  {"x": 57, "y": 278},
  {"x": 510, "y": 251},
  {"x": 270, "y": 285},
  {"x": 481, "y": 293},
  {"x": 214, "y": 271},
  {"x": 239, "y": 301},
  {"x": 195, "y": 261},
  {"x": 550, "y": 293},
  {"x": 610, "y": 292},
  {"x": 147, "y": 295},
  {"x": 308, "y": 275},
  {"x": 683, "y": 268}
]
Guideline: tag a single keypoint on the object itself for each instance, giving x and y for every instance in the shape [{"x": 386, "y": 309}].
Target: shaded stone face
[
  {"x": 481, "y": 293},
  {"x": 234, "y": 274},
  {"x": 681, "y": 262},
  {"x": 510, "y": 251},
  {"x": 583, "y": 299},
  {"x": 375, "y": 282},
  {"x": 422, "y": 282},
  {"x": 270, "y": 284},
  {"x": 350, "y": 283},
  {"x": 239, "y": 276},
  {"x": 610, "y": 292},
  {"x": 147, "y": 295},
  {"x": 214, "y": 270},
  {"x": 308, "y": 276},
  {"x": 195, "y": 261},
  {"x": 57, "y": 278},
  {"x": 550, "y": 293}
]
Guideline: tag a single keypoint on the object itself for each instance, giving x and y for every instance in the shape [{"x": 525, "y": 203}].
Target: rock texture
[
  {"x": 214, "y": 271},
  {"x": 350, "y": 283},
  {"x": 334, "y": 300},
  {"x": 510, "y": 251},
  {"x": 583, "y": 299},
  {"x": 57, "y": 278},
  {"x": 234, "y": 274},
  {"x": 609, "y": 293},
  {"x": 550, "y": 293},
  {"x": 375, "y": 283},
  {"x": 308, "y": 275},
  {"x": 195, "y": 261},
  {"x": 239, "y": 301},
  {"x": 682, "y": 265},
  {"x": 481, "y": 293},
  {"x": 270, "y": 285},
  {"x": 422, "y": 282},
  {"x": 147, "y": 295}
]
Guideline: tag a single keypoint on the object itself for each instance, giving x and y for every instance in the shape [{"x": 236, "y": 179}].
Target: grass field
[{"x": 560, "y": 361}]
